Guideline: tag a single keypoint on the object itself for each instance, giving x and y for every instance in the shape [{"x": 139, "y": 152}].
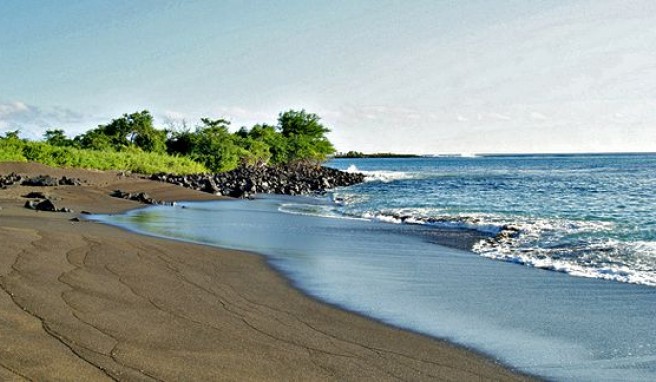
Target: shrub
[{"x": 131, "y": 160}]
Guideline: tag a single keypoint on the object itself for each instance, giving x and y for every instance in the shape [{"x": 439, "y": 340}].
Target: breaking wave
[
  {"x": 578, "y": 248},
  {"x": 381, "y": 175},
  {"x": 584, "y": 215}
]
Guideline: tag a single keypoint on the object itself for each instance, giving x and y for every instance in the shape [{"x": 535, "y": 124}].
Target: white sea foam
[
  {"x": 425, "y": 216},
  {"x": 468, "y": 155},
  {"x": 592, "y": 265},
  {"x": 325, "y": 211},
  {"x": 539, "y": 242},
  {"x": 585, "y": 216},
  {"x": 347, "y": 198},
  {"x": 381, "y": 176},
  {"x": 540, "y": 246}
]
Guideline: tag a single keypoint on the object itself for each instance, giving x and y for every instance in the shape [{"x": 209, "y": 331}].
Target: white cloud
[
  {"x": 173, "y": 115},
  {"x": 33, "y": 121},
  {"x": 240, "y": 116},
  {"x": 499, "y": 116},
  {"x": 556, "y": 127},
  {"x": 12, "y": 108},
  {"x": 548, "y": 81}
]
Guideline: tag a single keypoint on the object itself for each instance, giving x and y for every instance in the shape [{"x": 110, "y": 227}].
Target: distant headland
[{"x": 357, "y": 154}]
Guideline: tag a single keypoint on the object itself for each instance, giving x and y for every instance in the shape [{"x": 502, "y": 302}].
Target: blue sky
[{"x": 404, "y": 76}]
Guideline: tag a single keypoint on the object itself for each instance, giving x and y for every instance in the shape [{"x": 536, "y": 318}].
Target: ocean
[
  {"x": 550, "y": 267},
  {"x": 585, "y": 215}
]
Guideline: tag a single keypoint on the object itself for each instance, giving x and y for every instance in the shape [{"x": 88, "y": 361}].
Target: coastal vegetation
[
  {"x": 19, "y": 150},
  {"x": 132, "y": 142}
]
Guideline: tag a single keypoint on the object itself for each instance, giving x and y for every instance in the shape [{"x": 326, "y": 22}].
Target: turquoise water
[{"x": 351, "y": 249}]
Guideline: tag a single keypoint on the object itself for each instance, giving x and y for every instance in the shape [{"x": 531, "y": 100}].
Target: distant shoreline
[
  {"x": 354, "y": 154},
  {"x": 359, "y": 155}
]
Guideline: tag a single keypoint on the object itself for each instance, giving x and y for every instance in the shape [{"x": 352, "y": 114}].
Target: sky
[{"x": 426, "y": 77}]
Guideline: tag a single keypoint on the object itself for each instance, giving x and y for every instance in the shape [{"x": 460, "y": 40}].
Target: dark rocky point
[{"x": 245, "y": 182}]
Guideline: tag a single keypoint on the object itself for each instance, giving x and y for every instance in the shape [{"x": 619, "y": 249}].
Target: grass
[{"x": 136, "y": 161}]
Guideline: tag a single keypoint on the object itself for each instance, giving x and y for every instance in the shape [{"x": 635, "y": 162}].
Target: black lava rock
[
  {"x": 9, "y": 180},
  {"x": 49, "y": 181},
  {"x": 140, "y": 197},
  {"x": 35, "y": 195},
  {"x": 41, "y": 181},
  {"x": 45, "y": 205},
  {"x": 244, "y": 182},
  {"x": 64, "y": 181}
]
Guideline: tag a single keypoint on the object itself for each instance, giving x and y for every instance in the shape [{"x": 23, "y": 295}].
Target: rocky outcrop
[
  {"x": 244, "y": 182},
  {"x": 140, "y": 197},
  {"x": 37, "y": 181},
  {"x": 507, "y": 233},
  {"x": 41, "y": 181},
  {"x": 49, "y": 181},
  {"x": 10, "y": 180},
  {"x": 64, "y": 181},
  {"x": 36, "y": 195},
  {"x": 45, "y": 205}
]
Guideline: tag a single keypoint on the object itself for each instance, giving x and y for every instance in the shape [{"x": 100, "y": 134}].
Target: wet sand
[{"x": 85, "y": 301}]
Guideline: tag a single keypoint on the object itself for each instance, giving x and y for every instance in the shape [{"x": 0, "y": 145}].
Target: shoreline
[
  {"x": 285, "y": 279},
  {"x": 115, "y": 304}
]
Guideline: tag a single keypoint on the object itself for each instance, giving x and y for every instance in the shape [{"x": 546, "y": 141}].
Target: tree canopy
[
  {"x": 131, "y": 130},
  {"x": 305, "y": 136},
  {"x": 57, "y": 138},
  {"x": 298, "y": 136}
]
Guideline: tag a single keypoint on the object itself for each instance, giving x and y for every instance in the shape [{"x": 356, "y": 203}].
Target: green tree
[
  {"x": 305, "y": 135},
  {"x": 274, "y": 140},
  {"x": 255, "y": 152},
  {"x": 57, "y": 138},
  {"x": 301, "y": 123},
  {"x": 215, "y": 147},
  {"x": 95, "y": 139},
  {"x": 181, "y": 142},
  {"x": 130, "y": 130},
  {"x": 242, "y": 132},
  {"x": 151, "y": 140},
  {"x": 12, "y": 134}
]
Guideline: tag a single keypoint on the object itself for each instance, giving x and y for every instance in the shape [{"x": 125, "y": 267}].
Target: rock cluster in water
[
  {"x": 244, "y": 182},
  {"x": 506, "y": 234}
]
